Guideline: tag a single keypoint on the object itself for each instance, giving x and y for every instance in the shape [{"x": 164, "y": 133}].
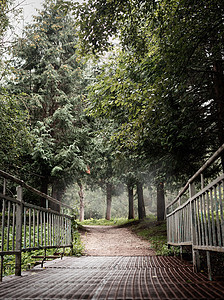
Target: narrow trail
[{"x": 114, "y": 241}]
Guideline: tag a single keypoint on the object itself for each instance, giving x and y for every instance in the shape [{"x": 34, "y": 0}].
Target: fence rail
[
  {"x": 196, "y": 218},
  {"x": 25, "y": 226}
]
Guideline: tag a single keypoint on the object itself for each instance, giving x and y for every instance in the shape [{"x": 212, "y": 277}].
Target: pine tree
[{"x": 49, "y": 72}]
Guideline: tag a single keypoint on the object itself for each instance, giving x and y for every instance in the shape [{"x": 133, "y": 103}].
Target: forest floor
[{"x": 114, "y": 241}]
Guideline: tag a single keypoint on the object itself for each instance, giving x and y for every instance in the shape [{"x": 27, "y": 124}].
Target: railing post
[
  {"x": 207, "y": 251},
  {"x": 195, "y": 253},
  {"x": 19, "y": 212},
  {"x": 71, "y": 233}
]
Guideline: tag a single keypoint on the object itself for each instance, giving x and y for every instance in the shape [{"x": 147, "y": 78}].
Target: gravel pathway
[{"x": 114, "y": 241}]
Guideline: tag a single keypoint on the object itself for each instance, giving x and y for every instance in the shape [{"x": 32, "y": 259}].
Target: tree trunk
[
  {"x": 44, "y": 189},
  {"x": 81, "y": 199},
  {"x": 109, "y": 200},
  {"x": 141, "y": 205},
  {"x": 58, "y": 190},
  {"x": 218, "y": 85},
  {"x": 131, "y": 214},
  {"x": 160, "y": 202}
]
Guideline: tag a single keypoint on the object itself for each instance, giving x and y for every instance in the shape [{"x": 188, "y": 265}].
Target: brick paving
[{"x": 117, "y": 277}]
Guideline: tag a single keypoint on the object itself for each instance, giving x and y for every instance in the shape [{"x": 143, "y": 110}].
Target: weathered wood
[
  {"x": 30, "y": 228},
  {"x": 13, "y": 225},
  {"x": 217, "y": 218},
  {"x": 28, "y": 187},
  {"x": 38, "y": 228},
  {"x": 8, "y": 225},
  {"x": 200, "y": 220},
  {"x": 34, "y": 228},
  {"x": 44, "y": 229},
  {"x": 213, "y": 220},
  {"x": 198, "y": 173},
  {"x": 36, "y": 223},
  {"x": 24, "y": 228},
  {"x": 1, "y": 267},
  {"x": 19, "y": 209},
  {"x": 221, "y": 187},
  {"x": 3, "y": 225}
]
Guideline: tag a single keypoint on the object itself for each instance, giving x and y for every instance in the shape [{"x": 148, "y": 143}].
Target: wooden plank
[
  {"x": 198, "y": 173},
  {"x": 19, "y": 209},
  {"x": 23, "y": 184},
  {"x": 221, "y": 197},
  {"x": 205, "y": 220},
  {"x": 1, "y": 267},
  {"x": 214, "y": 243},
  {"x": 34, "y": 228},
  {"x": 3, "y": 225},
  {"x": 13, "y": 225},
  {"x": 38, "y": 228},
  {"x": 24, "y": 227},
  {"x": 209, "y": 248},
  {"x": 209, "y": 219},
  {"x": 30, "y": 228},
  {"x": 48, "y": 229},
  {"x": 181, "y": 244},
  {"x": 8, "y": 225},
  {"x": 8, "y": 198},
  {"x": 44, "y": 228},
  {"x": 217, "y": 217},
  {"x": 41, "y": 228},
  {"x": 198, "y": 225},
  {"x": 202, "y": 221}
]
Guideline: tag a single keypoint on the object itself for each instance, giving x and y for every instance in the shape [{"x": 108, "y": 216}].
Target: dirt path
[{"x": 114, "y": 241}]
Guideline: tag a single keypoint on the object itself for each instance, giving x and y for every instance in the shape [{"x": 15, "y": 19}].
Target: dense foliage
[
  {"x": 50, "y": 74},
  {"x": 154, "y": 113},
  {"x": 165, "y": 88}
]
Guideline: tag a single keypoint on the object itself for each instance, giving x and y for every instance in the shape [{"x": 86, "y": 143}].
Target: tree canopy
[
  {"x": 166, "y": 82},
  {"x": 50, "y": 74},
  {"x": 155, "y": 109}
]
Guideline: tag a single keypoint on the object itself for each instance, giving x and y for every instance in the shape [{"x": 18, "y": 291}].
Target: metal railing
[
  {"x": 195, "y": 218},
  {"x": 25, "y": 226}
]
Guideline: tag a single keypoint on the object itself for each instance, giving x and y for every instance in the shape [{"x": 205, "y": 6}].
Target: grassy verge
[
  {"x": 104, "y": 222},
  {"x": 154, "y": 232}
]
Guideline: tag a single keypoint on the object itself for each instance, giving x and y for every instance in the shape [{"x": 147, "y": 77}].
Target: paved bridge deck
[{"x": 143, "y": 277}]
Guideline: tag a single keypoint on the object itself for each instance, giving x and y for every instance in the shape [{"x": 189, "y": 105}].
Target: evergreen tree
[
  {"x": 49, "y": 72},
  {"x": 14, "y": 132}
]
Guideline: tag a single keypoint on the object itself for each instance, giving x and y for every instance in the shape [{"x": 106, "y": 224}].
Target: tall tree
[
  {"x": 49, "y": 72},
  {"x": 14, "y": 130},
  {"x": 167, "y": 80}
]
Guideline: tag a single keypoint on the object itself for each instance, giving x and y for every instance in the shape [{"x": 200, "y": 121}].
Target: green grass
[
  {"x": 104, "y": 222},
  {"x": 154, "y": 232}
]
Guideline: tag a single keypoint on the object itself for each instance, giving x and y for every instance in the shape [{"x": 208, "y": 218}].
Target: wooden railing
[
  {"x": 25, "y": 226},
  {"x": 195, "y": 217}
]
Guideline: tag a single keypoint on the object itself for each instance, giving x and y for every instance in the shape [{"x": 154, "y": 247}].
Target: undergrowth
[
  {"x": 27, "y": 262},
  {"x": 154, "y": 232}
]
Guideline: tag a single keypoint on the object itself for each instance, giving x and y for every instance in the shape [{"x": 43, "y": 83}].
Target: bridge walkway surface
[{"x": 112, "y": 277}]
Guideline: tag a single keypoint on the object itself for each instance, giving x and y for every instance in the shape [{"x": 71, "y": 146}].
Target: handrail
[
  {"x": 30, "y": 188},
  {"x": 199, "y": 172},
  {"x": 198, "y": 221},
  {"x": 25, "y": 226}
]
